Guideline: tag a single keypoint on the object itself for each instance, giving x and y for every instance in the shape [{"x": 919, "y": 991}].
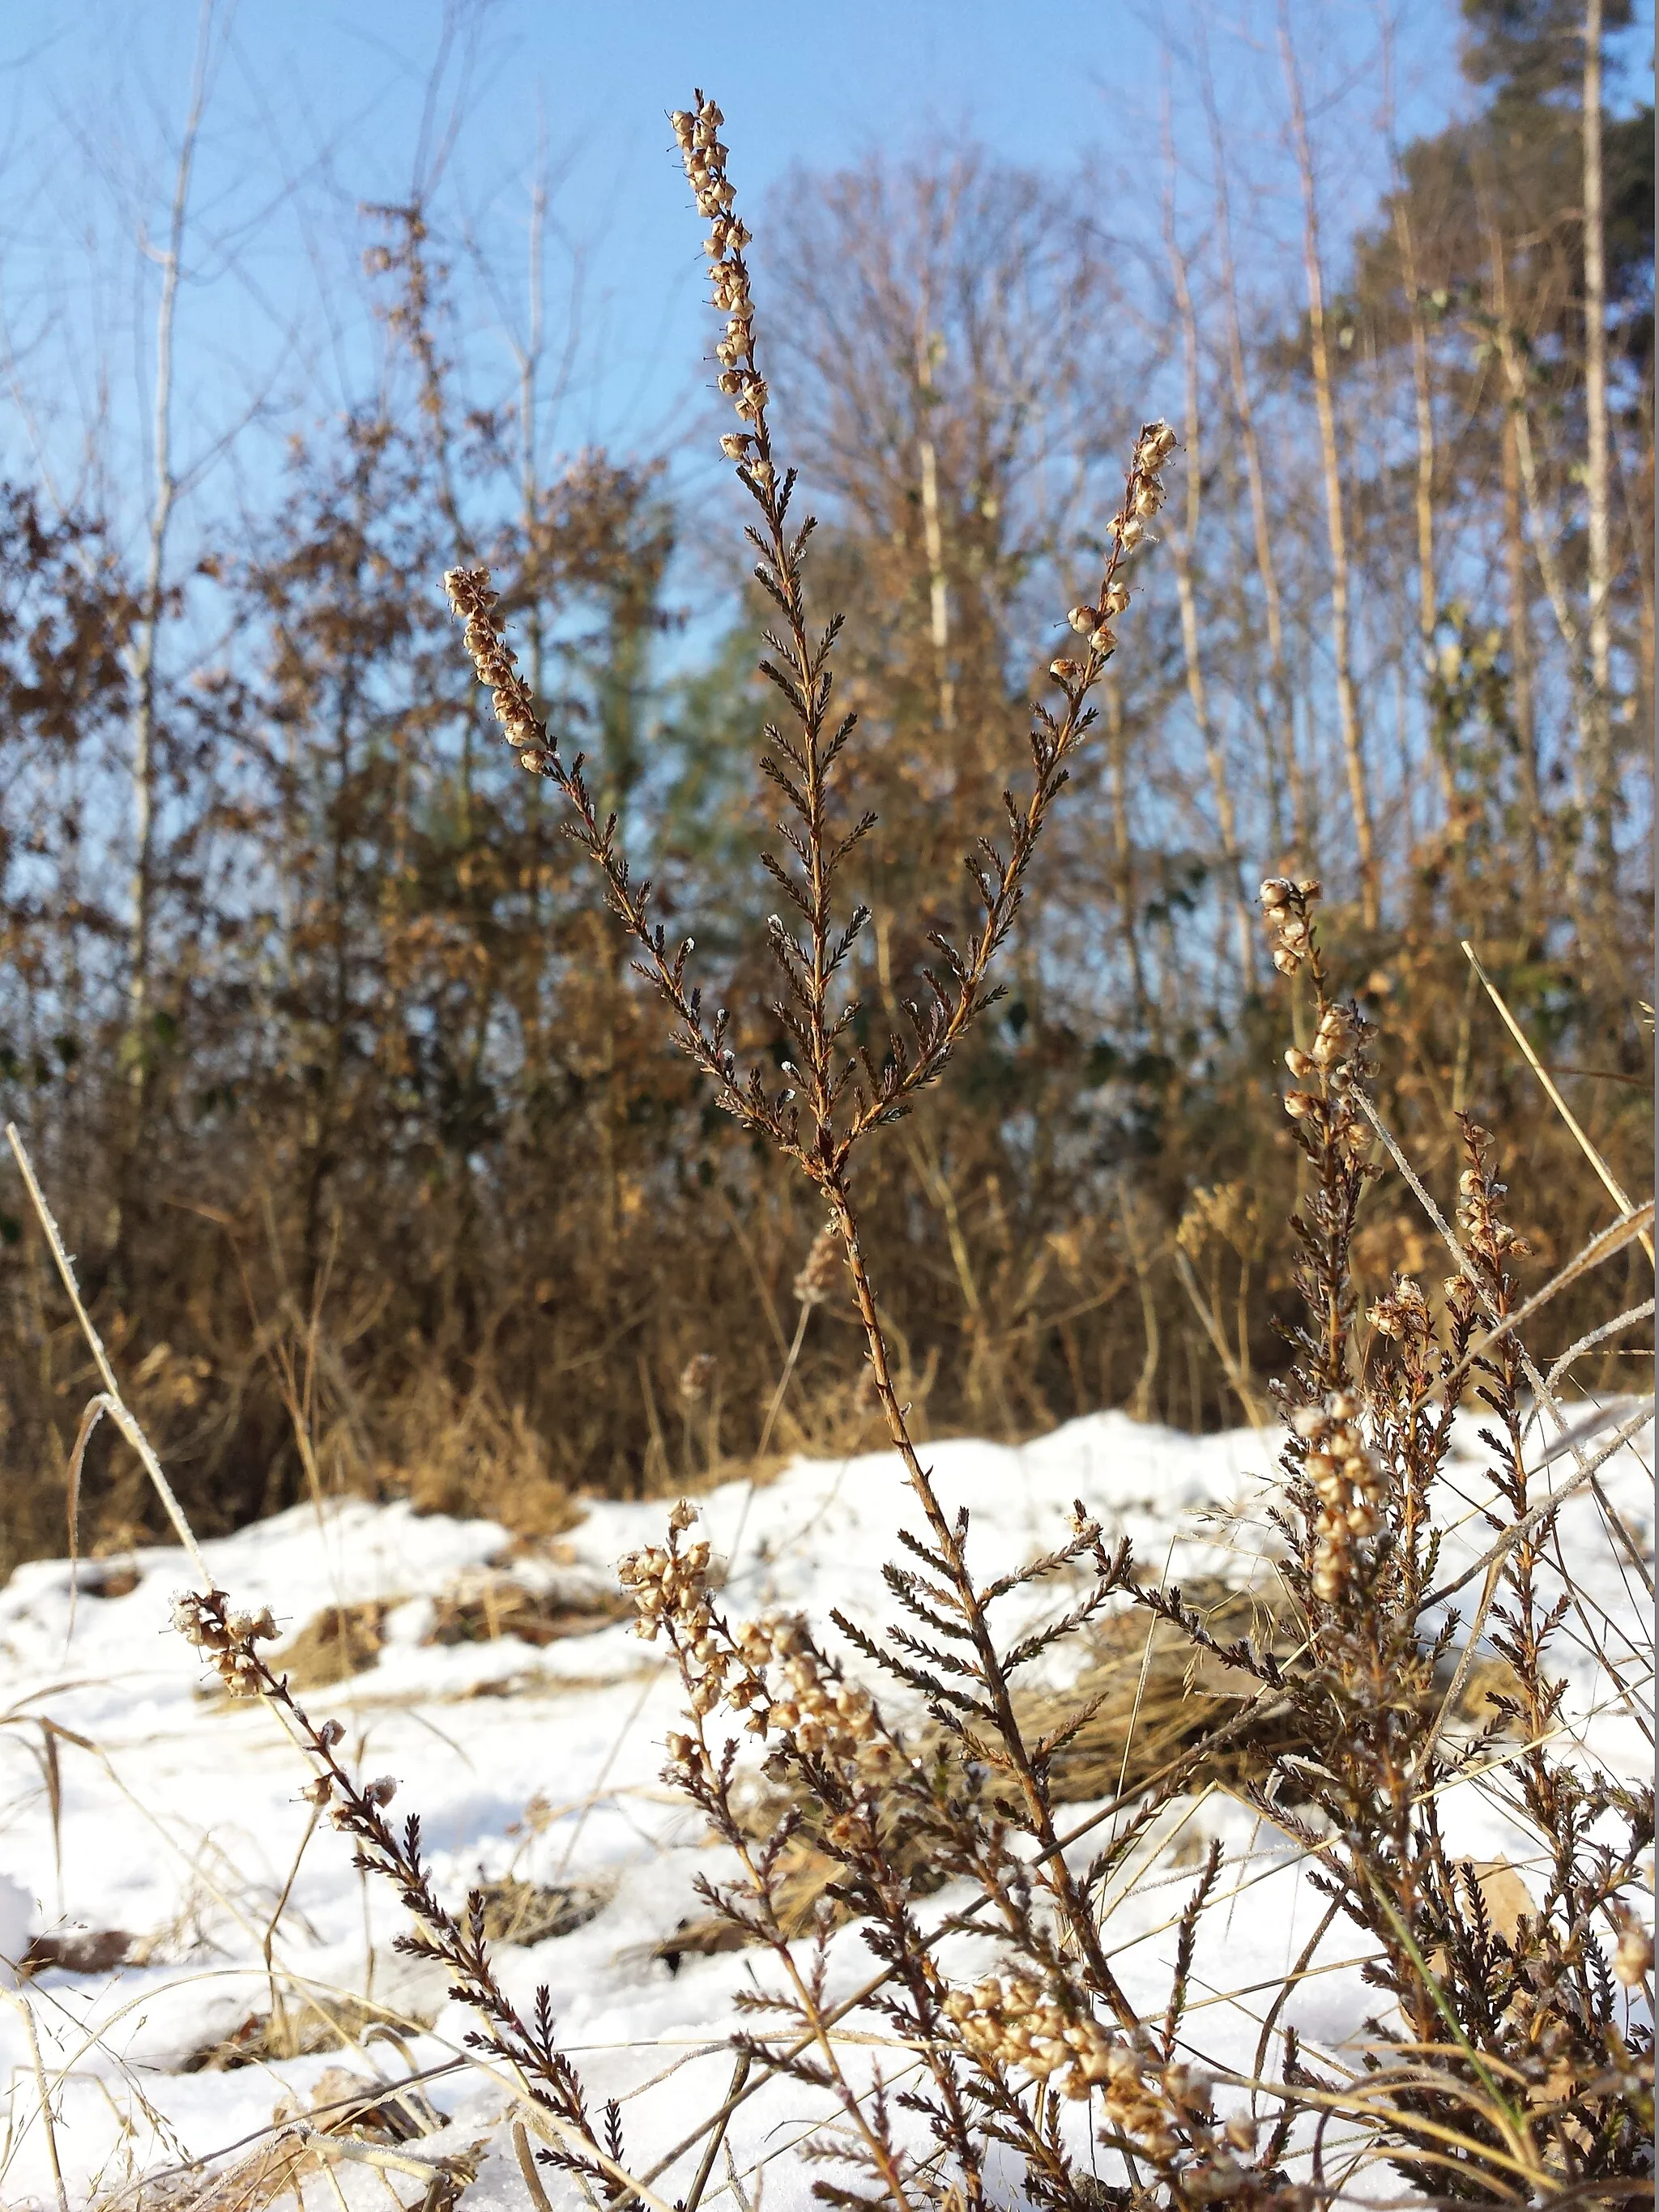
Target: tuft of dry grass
[
  {"x": 471, "y": 1452},
  {"x": 347, "y": 2122},
  {"x": 322, "y": 2022},
  {"x": 527, "y": 1913},
  {"x": 484, "y": 1608},
  {"x": 339, "y": 1642}
]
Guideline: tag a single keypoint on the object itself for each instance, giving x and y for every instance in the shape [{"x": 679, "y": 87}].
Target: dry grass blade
[
  {"x": 111, "y": 1403},
  {"x": 532, "y": 2180},
  {"x": 1614, "y": 1189},
  {"x": 1607, "y": 1329},
  {"x": 1519, "y": 1531},
  {"x": 1605, "y": 1244},
  {"x": 18, "y": 2000}
]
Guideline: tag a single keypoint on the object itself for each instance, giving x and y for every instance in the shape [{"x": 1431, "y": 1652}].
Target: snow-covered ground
[{"x": 131, "y": 1798}]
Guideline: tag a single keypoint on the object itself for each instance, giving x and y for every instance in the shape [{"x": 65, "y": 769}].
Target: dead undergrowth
[{"x": 344, "y": 1641}]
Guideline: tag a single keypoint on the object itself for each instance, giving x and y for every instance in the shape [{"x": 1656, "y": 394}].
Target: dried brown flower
[
  {"x": 696, "y": 1377},
  {"x": 822, "y": 1268}
]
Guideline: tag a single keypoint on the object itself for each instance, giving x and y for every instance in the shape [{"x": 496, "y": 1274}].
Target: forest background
[{"x": 379, "y": 1171}]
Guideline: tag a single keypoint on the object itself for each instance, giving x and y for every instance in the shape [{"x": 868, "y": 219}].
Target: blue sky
[{"x": 313, "y": 109}]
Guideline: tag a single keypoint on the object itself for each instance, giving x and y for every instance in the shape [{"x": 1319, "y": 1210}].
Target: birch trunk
[
  {"x": 938, "y": 599},
  {"x": 1602, "y": 776},
  {"x": 1181, "y": 541},
  {"x": 1347, "y": 704},
  {"x": 1428, "y": 604},
  {"x": 1279, "y": 724},
  {"x": 1519, "y": 629},
  {"x": 146, "y": 639}
]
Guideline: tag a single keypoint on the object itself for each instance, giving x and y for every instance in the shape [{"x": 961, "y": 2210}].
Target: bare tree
[
  {"x": 1602, "y": 775},
  {"x": 1183, "y": 539},
  {"x": 1428, "y": 604},
  {"x": 163, "y": 499},
  {"x": 1319, "y": 355},
  {"x": 1278, "y": 722}
]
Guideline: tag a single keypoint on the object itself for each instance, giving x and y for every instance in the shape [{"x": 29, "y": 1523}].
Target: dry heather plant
[{"x": 1506, "y": 2065}]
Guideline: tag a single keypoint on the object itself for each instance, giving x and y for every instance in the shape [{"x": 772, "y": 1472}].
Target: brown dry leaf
[
  {"x": 1488, "y": 1677},
  {"x": 80, "y": 1951},
  {"x": 1504, "y": 1895}
]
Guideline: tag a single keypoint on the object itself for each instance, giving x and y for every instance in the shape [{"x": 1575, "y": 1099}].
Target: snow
[
  {"x": 181, "y": 1820},
  {"x": 16, "y": 1909}
]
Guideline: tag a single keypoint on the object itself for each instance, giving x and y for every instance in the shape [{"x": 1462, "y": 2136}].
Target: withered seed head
[
  {"x": 695, "y": 1376},
  {"x": 820, "y": 1271}
]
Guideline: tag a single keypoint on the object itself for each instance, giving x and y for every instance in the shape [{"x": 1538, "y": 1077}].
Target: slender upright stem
[
  {"x": 1521, "y": 694},
  {"x": 164, "y": 497},
  {"x": 1069, "y": 1892},
  {"x": 1278, "y": 722},
  {"x": 1181, "y": 541},
  {"x": 1428, "y": 610},
  {"x": 1319, "y": 355},
  {"x": 939, "y": 596},
  {"x": 1603, "y": 779}
]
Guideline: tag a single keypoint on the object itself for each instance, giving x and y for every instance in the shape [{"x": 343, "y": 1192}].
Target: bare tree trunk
[
  {"x": 529, "y": 364},
  {"x": 1281, "y": 708},
  {"x": 932, "y": 533},
  {"x": 1520, "y": 627},
  {"x": 147, "y": 635},
  {"x": 1635, "y": 492},
  {"x": 1117, "y": 750},
  {"x": 1181, "y": 541},
  {"x": 1428, "y": 602},
  {"x": 1641, "y": 538},
  {"x": 1519, "y": 420},
  {"x": 1519, "y": 427},
  {"x": 1602, "y": 775},
  {"x": 1347, "y": 705},
  {"x": 1428, "y": 605}
]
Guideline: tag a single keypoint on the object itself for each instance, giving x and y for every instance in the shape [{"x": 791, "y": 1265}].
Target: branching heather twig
[
  {"x": 836, "y": 1096},
  {"x": 229, "y": 1642}
]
